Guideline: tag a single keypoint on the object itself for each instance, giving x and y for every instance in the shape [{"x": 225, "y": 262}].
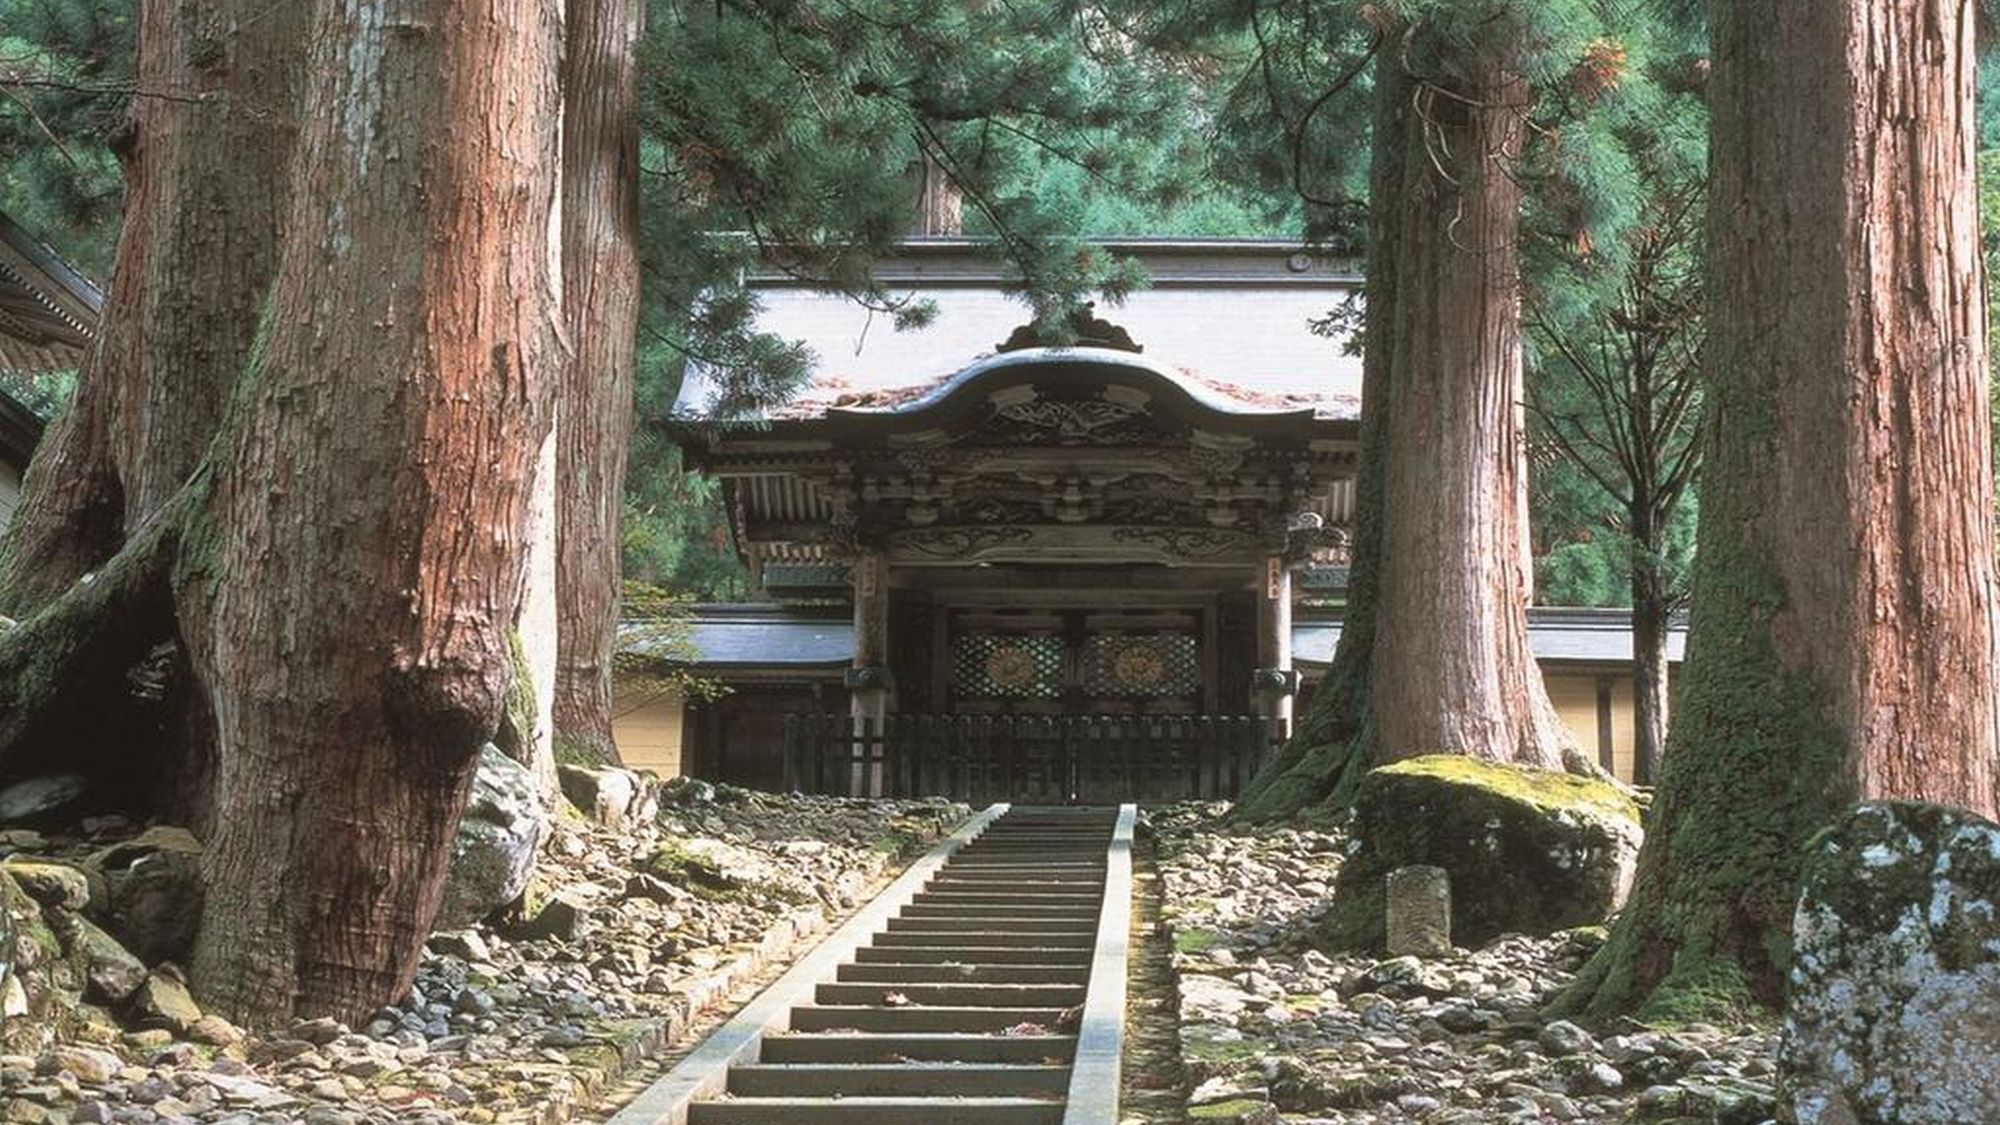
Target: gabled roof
[
  {"x": 1233, "y": 321},
  {"x": 48, "y": 311}
]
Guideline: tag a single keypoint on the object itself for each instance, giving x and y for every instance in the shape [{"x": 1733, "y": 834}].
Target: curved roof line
[{"x": 1023, "y": 365}]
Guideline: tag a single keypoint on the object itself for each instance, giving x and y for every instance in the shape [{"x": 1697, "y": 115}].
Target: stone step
[
  {"x": 900, "y": 938},
  {"x": 971, "y": 954},
  {"x": 1093, "y": 892},
  {"x": 876, "y": 1111},
  {"x": 983, "y": 878},
  {"x": 973, "y": 994},
  {"x": 1004, "y": 898},
  {"x": 897, "y": 1080},
  {"x": 965, "y": 974},
  {"x": 1013, "y": 859},
  {"x": 1022, "y": 906},
  {"x": 918, "y": 1018},
  {"x": 960, "y": 1047},
  {"x": 995, "y": 917}
]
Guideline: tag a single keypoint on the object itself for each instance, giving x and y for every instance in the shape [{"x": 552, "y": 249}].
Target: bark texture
[
  {"x": 205, "y": 191},
  {"x": 1453, "y": 673},
  {"x": 601, "y": 311},
  {"x": 1329, "y": 749},
  {"x": 1842, "y": 637},
  {"x": 1433, "y": 654},
  {"x": 348, "y": 589}
]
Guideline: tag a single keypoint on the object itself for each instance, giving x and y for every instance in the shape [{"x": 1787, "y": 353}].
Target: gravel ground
[
  {"x": 503, "y": 1021},
  {"x": 1274, "y": 1029}
]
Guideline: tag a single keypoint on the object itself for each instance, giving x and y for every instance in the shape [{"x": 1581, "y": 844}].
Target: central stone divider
[{"x": 985, "y": 986}]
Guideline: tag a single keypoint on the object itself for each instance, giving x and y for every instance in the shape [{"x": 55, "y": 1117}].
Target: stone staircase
[{"x": 964, "y": 1009}]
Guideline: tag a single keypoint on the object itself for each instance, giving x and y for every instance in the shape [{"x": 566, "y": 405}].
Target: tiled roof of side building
[
  {"x": 48, "y": 311},
  {"x": 748, "y": 636}
]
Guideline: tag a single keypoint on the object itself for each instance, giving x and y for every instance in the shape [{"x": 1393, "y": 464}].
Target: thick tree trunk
[
  {"x": 1842, "y": 639},
  {"x": 601, "y": 310},
  {"x": 1433, "y": 653},
  {"x": 205, "y": 193},
  {"x": 1329, "y": 749},
  {"x": 348, "y": 591},
  {"x": 1453, "y": 673}
]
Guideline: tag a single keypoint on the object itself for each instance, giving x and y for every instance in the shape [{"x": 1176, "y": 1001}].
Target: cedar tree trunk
[
  {"x": 1328, "y": 751},
  {"x": 601, "y": 311},
  {"x": 1433, "y": 653},
  {"x": 206, "y": 190},
  {"x": 1453, "y": 673},
  {"x": 1842, "y": 639},
  {"x": 350, "y": 577},
  {"x": 205, "y": 195}
]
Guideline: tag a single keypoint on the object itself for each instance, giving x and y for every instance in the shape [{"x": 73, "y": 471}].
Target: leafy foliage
[{"x": 65, "y": 87}]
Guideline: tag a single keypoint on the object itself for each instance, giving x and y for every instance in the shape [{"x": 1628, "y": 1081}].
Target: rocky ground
[
  {"x": 625, "y": 932},
  {"x": 1275, "y": 1030}
]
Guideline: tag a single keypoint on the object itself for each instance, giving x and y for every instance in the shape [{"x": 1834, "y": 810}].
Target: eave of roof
[{"x": 48, "y": 311}]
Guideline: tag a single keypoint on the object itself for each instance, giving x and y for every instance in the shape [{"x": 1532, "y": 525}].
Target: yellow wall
[
  {"x": 647, "y": 729},
  {"x": 1575, "y": 697}
]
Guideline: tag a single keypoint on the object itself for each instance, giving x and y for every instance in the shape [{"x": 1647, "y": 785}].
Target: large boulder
[
  {"x": 1893, "y": 1014},
  {"x": 503, "y": 826},
  {"x": 605, "y": 794},
  {"x": 156, "y": 889},
  {"x": 1527, "y": 851}
]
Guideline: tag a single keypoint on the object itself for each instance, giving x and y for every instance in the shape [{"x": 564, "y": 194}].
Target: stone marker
[
  {"x": 1419, "y": 911},
  {"x": 1893, "y": 1016}
]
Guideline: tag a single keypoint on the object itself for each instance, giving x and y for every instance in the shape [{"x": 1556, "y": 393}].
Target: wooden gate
[{"x": 1031, "y": 759}]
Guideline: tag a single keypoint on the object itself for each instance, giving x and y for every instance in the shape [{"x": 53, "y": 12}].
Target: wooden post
[
  {"x": 868, "y": 681},
  {"x": 1275, "y": 682}
]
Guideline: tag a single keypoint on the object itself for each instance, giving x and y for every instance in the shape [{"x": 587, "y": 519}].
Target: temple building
[
  {"x": 1001, "y": 568},
  {"x": 48, "y": 314}
]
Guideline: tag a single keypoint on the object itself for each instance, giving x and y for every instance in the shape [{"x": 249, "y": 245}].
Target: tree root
[{"x": 59, "y": 667}]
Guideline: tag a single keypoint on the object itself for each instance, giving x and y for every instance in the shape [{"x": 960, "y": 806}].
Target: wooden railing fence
[{"x": 1090, "y": 759}]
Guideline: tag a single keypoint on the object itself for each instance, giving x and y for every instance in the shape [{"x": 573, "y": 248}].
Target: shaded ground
[
  {"x": 1155, "y": 1083},
  {"x": 1276, "y": 1028},
  {"x": 503, "y": 1023}
]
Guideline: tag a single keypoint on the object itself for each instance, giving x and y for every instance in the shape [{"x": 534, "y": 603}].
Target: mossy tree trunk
[
  {"x": 1434, "y": 654},
  {"x": 345, "y": 558},
  {"x": 1842, "y": 643},
  {"x": 601, "y": 310},
  {"x": 206, "y": 190}
]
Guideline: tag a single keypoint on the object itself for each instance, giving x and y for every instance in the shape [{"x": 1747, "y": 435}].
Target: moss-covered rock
[
  {"x": 1528, "y": 851},
  {"x": 1893, "y": 1010},
  {"x": 40, "y": 985},
  {"x": 504, "y": 824}
]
